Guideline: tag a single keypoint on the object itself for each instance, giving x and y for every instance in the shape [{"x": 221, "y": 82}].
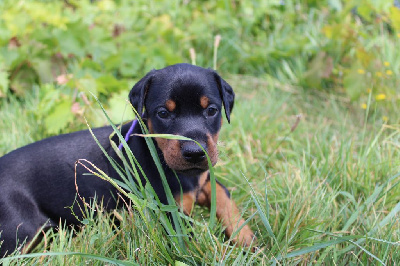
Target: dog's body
[{"x": 37, "y": 182}]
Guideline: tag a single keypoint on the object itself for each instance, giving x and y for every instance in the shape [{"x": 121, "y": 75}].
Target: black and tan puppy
[{"x": 37, "y": 181}]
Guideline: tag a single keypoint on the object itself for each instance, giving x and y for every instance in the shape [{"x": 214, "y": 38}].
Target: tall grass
[{"x": 325, "y": 192}]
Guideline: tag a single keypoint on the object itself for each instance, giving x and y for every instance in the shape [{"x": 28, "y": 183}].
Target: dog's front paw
[{"x": 245, "y": 237}]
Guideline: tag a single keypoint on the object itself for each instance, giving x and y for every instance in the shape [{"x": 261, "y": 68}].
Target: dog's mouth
[{"x": 192, "y": 171}]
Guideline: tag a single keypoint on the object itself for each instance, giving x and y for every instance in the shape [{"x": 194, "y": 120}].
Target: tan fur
[
  {"x": 186, "y": 202},
  {"x": 204, "y": 101},
  {"x": 203, "y": 179},
  {"x": 171, "y": 105},
  {"x": 29, "y": 246},
  {"x": 212, "y": 148},
  {"x": 150, "y": 126},
  {"x": 227, "y": 213}
]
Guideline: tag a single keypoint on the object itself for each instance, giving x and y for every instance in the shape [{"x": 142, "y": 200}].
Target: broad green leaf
[
  {"x": 119, "y": 110},
  {"x": 48, "y": 99},
  {"x": 12, "y": 57},
  {"x": 87, "y": 84},
  {"x": 108, "y": 84},
  {"x": 59, "y": 117}
]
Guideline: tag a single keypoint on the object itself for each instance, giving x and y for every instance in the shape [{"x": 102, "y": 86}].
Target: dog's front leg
[
  {"x": 227, "y": 212},
  {"x": 186, "y": 201}
]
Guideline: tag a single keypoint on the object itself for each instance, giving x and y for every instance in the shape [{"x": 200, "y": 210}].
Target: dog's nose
[{"x": 191, "y": 152}]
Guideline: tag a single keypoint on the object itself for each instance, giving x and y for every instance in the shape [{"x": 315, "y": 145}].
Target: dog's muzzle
[{"x": 192, "y": 152}]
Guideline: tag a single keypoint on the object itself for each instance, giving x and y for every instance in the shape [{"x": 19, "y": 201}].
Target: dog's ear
[
  {"x": 227, "y": 95},
  {"x": 138, "y": 92}
]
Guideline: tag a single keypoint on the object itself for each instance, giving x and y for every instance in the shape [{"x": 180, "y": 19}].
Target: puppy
[{"x": 38, "y": 181}]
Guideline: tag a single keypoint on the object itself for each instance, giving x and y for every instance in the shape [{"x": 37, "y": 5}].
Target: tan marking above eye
[
  {"x": 204, "y": 101},
  {"x": 171, "y": 105}
]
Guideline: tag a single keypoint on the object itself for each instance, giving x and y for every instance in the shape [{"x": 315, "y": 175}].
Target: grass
[
  {"x": 322, "y": 189},
  {"x": 328, "y": 189}
]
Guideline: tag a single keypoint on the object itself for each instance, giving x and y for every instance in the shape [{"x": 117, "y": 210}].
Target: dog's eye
[
  {"x": 211, "y": 111},
  {"x": 163, "y": 114}
]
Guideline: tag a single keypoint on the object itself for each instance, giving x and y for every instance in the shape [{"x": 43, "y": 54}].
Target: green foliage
[{"x": 105, "y": 46}]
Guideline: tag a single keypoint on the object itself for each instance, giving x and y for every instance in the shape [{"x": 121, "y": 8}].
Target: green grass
[
  {"x": 329, "y": 189},
  {"x": 325, "y": 191}
]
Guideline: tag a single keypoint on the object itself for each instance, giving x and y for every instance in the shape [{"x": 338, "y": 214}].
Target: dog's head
[{"x": 184, "y": 100}]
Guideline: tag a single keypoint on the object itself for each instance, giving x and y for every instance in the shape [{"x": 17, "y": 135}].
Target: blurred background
[{"x": 58, "y": 51}]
